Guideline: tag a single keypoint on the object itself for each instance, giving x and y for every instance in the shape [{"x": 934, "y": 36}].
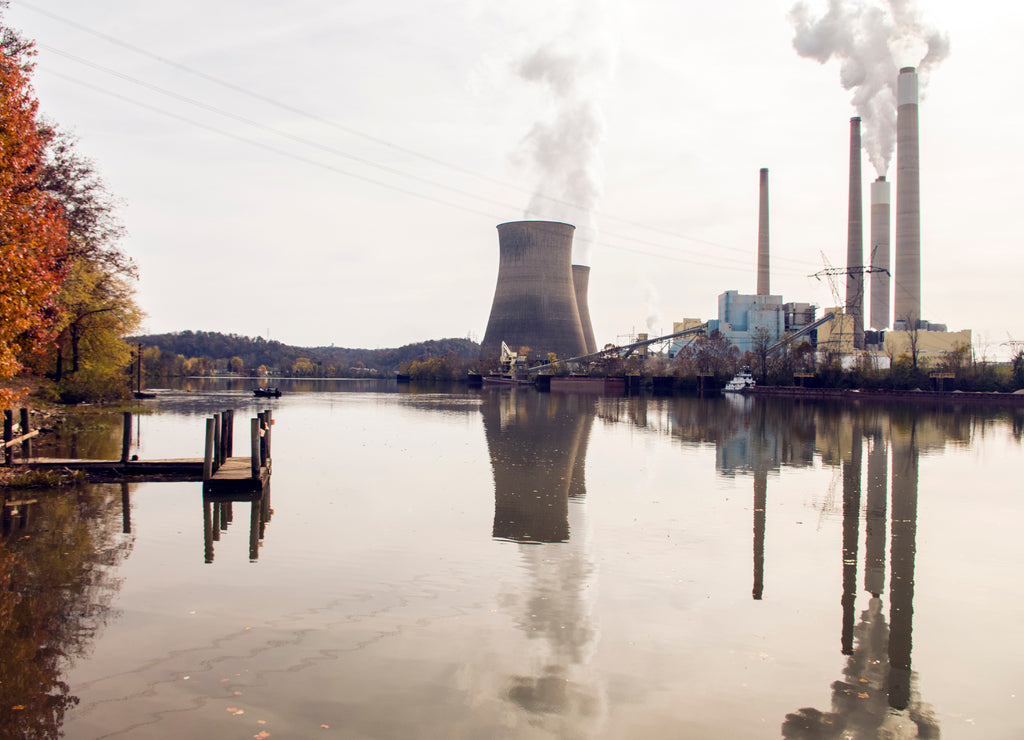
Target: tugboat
[{"x": 742, "y": 382}]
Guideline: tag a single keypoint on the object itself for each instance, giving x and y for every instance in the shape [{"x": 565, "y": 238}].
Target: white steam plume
[
  {"x": 871, "y": 41},
  {"x": 564, "y": 147}
]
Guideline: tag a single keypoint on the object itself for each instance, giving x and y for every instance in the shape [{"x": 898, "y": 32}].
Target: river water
[{"x": 515, "y": 564}]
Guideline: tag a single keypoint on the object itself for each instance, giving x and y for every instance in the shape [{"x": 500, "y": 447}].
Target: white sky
[{"x": 332, "y": 172}]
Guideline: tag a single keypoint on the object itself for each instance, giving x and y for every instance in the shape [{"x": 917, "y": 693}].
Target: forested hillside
[{"x": 202, "y": 352}]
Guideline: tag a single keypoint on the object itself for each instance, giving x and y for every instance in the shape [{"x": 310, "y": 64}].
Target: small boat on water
[
  {"x": 740, "y": 383},
  {"x": 267, "y": 392}
]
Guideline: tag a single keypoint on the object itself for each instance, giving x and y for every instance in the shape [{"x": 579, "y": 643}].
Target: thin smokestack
[
  {"x": 580, "y": 283},
  {"x": 763, "y": 287},
  {"x": 907, "y": 291},
  {"x": 855, "y": 240},
  {"x": 880, "y": 282}
]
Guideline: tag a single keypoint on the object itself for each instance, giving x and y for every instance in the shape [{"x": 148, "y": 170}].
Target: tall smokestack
[
  {"x": 907, "y": 291},
  {"x": 880, "y": 283},
  {"x": 580, "y": 283},
  {"x": 855, "y": 240},
  {"x": 762, "y": 237},
  {"x": 534, "y": 301}
]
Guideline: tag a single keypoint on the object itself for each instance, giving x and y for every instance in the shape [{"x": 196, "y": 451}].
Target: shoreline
[{"x": 860, "y": 394}]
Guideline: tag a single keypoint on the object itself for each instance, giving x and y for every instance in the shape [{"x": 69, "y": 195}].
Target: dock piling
[
  {"x": 126, "y": 436},
  {"x": 26, "y": 437},
  {"x": 208, "y": 456}
]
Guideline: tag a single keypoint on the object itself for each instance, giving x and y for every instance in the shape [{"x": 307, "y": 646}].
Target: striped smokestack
[
  {"x": 763, "y": 287},
  {"x": 880, "y": 209},
  {"x": 855, "y": 241},
  {"x": 907, "y": 290},
  {"x": 580, "y": 283},
  {"x": 534, "y": 300}
]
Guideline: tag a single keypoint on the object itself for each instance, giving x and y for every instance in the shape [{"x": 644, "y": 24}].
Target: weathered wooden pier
[{"x": 218, "y": 469}]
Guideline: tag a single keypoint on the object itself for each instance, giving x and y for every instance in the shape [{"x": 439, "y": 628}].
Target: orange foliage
[{"x": 33, "y": 231}]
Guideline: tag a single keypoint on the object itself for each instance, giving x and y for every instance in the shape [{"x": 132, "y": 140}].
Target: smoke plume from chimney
[
  {"x": 871, "y": 41},
  {"x": 563, "y": 147}
]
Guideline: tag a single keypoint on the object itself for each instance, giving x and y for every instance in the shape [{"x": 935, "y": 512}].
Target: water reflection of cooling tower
[
  {"x": 537, "y": 444},
  {"x": 534, "y": 300}
]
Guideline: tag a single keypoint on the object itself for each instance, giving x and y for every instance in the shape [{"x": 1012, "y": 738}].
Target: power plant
[
  {"x": 541, "y": 298},
  {"x": 535, "y": 300}
]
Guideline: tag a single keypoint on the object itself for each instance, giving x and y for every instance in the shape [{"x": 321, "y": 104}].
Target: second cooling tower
[{"x": 535, "y": 300}]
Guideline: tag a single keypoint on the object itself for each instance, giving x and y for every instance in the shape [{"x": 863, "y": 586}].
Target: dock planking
[{"x": 220, "y": 472}]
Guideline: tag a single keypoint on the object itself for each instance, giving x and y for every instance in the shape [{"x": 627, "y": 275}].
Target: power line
[{"x": 351, "y": 131}]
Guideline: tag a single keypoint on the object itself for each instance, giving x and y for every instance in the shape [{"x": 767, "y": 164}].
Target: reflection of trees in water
[
  {"x": 537, "y": 443},
  {"x": 57, "y": 580}
]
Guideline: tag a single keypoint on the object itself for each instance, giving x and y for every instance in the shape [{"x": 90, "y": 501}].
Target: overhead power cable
[{"x": 354, "y": 132}]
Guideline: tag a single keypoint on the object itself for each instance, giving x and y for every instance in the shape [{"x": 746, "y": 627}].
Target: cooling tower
[
  {"x": 534, "y": 300},
  {"x": 907, "y": 288},
  {"x": 762, "y": 237},
  {"x": 580, "y": 283},
  {"x": 855, "y": 241},
  {"x": 880, "y": 199}
]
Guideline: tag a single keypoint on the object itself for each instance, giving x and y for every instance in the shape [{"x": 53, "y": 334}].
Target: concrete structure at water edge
[{"x": 535, "y": 300}]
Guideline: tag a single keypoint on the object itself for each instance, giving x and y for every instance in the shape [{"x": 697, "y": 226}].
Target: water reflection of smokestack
[
  {"x": 760, "y": 501},
  {"x": 851, "y": 535},
  {"x": 874, "y": 544},
  {"x": 902, "y": 556}
]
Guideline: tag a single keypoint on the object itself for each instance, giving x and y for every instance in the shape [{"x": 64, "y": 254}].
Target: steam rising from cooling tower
[
  {"x": 563, "y": 147},
  {"x": 871, "y": 42}
]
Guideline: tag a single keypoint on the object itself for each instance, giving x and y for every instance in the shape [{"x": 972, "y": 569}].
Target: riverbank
[{"x": 917, "y": 396}]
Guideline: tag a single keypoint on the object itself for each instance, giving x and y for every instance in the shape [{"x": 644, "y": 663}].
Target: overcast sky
[{"x": 324, "y": 172}]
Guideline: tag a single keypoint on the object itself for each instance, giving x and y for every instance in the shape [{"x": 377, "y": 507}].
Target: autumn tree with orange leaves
[{"x": 33, "y": 231}]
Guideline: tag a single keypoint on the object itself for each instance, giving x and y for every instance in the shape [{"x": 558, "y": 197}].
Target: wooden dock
[{"x": 220, "y": 471}]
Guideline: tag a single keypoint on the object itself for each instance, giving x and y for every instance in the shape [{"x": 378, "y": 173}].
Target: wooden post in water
[
  {"x": 208, "y": 456},
  {"x": 228, "y": 434},
  {"x": 218, "y": 448},
  {"x": 8, "y": 436},
  {"x": 268, "y": 421},
  {"x": 126, "y": 436},
  {"x": 26, "y": 441},
  {"x": 254, "y": 449}
]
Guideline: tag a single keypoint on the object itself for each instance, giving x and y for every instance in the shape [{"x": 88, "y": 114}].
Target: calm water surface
[{"x": 510, "y": 564}]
